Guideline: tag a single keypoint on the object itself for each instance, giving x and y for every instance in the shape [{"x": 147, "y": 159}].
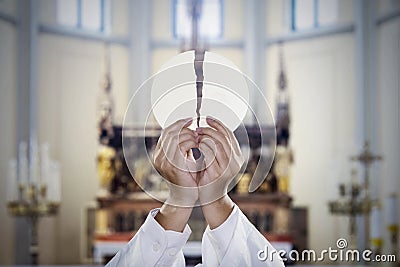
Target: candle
[
  {"x": 44, "y": 164},
  {"x": 12, "y": 189},
  {"x": 23, "y": 163},
  {"x": 57, "y": 179},
  {"x": 391, "y": 210},
  {"x": 376, "y": 221},
  {"x": 54, "y": 182},
  {"x": 33, "y": 161}
]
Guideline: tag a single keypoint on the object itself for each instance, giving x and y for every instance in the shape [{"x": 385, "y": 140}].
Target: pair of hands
[{"x": 206, "y": 179}]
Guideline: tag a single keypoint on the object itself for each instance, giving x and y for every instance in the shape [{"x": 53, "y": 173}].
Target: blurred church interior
[{"x": 68, "y": 68}]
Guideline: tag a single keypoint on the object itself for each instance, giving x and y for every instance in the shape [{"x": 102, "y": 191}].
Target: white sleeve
[
  {"x": 153, "y": 246},
  {"x": 237, "y": 242}
]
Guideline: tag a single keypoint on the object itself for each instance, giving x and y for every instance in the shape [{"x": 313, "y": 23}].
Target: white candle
[
  {"x": 391, "y": 210},
  {"x": 44, "y": 164},
  {"x": 33, "y": 162},
  {"x": 12, "y": 188},
  {"x": 376, "y": 223},
  {"x": 23, "y": 163},
  {"x": 54, "y": 185}
]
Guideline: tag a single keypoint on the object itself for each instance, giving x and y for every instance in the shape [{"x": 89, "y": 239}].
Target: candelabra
[
  {"x": 366, "y": 158},
  {"x": 357, "y": 200},
  {"x": 33, "y": 194},
  {"x": 350, "y": 204}
]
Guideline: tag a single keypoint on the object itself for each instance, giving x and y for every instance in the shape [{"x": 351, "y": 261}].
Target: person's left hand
[{"x": 222, "y": 159}]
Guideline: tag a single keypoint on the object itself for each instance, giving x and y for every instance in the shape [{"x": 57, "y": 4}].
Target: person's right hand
[{"x": 174, "y": 161}]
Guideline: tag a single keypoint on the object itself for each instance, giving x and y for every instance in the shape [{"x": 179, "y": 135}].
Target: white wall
[
  {"x": 70, "y": 76},
  {"x": 321, "y": 87},
  {"x": 321, "y": 83},
  {"x": 71, "y": 72},
  {"x": 8, "y": 140},
  {"x": 388, "y": 127}
]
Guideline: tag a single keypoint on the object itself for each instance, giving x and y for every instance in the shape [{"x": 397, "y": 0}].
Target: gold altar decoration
[
  {"x": 283, "y": 160},
  {"x": 105, "y": 166},
  {"x": 356, "y": 199},
  {"x": 34, "y": 190}
]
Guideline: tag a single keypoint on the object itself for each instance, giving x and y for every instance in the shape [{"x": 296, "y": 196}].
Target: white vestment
[{"x": 236, "y": 242}]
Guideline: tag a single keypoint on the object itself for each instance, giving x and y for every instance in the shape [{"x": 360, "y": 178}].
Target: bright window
[
  {"x": 210, "y": 20},
  {"x": 67, "y": 12},
  {"x": 309, "y": 14},
  {"x": 328, "y": 12},
  {"x": 84, "y": 14}
]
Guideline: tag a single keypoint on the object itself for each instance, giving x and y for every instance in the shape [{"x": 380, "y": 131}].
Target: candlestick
[
  {"x": 55, "y": 182},
  {"x": 391, "y": 210},
  {"x": 366, "y": 158},
  {"x": 23, "y": 163},
  {"x": 33, "y": 162},
  {"x": 45, "y": 159},
  {"x": 12, "y": 188},
  {"x": 375, "y": 230},
  {"x": 28, "y": 196}
]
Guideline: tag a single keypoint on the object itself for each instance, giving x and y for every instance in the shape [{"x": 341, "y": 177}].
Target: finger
[
  {"x": 158, "y": 153},
  {"x": 170, "y": 145},
  {"x": 182, "y": 158},
  {"x": 185, "y": 137},
  {"x": 186, "y": 146},
  {"x": 218, "y": 125},
  {"x": 175, "y": 153},
  {"x": 170, "y": 142},
  {"x": 179, "y": 158},
  {"x": 158, "y": 157},
  {"x": 186, "y": 130},
  {"x": 209, "y": 156},
  {"x": 159, "y": 141},
  {"x": 217, "y": 151},
  {"x": 221, "y": 138},
  {"x": 178, "y": 125},
  {"x": 173, "y": 129},
  {"x": 191, "y": 165}
]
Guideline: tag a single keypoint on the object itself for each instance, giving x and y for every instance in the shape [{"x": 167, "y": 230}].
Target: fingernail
[
  {"x": 210, "y": 118},
  {"x": 188, "y": 120}
]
